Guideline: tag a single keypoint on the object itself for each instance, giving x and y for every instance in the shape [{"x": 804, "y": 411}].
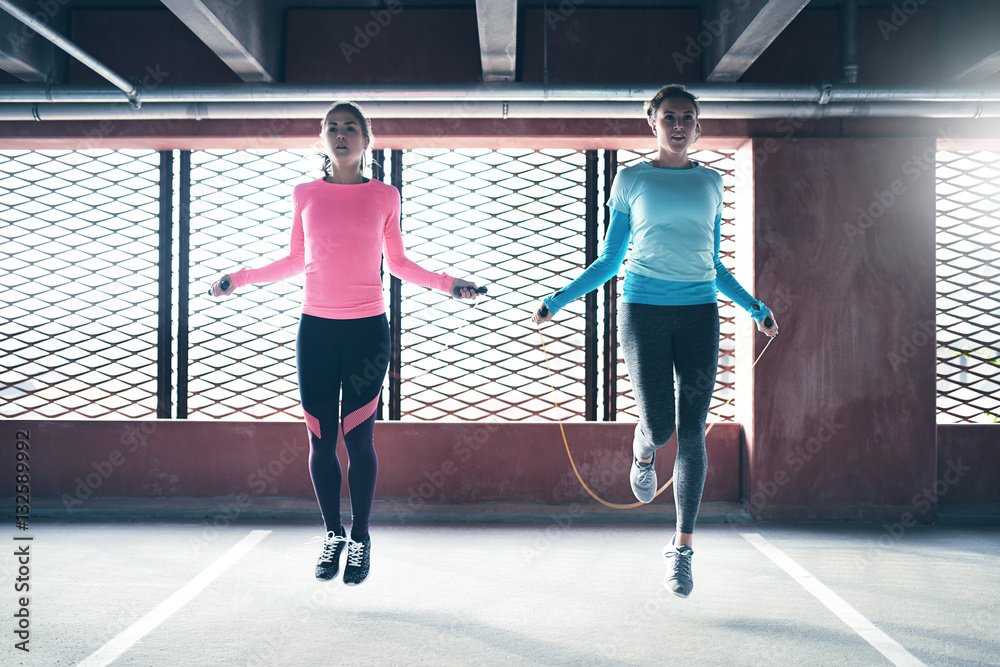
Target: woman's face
[
  {"x": 675, "y": 124},
  {"x": 343, "y": 137}
]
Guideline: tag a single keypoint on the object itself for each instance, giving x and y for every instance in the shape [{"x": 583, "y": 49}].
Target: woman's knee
[
  {"x": 322, "y": 420},
  {"x": 658, "y": 432},
  {"x": 691, "y": 448}
]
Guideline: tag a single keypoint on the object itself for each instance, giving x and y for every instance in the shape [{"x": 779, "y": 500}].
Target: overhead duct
[
  {"x": 495, "y": 110},
  {"x": 825, "y": 93},
  {"x": 44, "y": 103}
]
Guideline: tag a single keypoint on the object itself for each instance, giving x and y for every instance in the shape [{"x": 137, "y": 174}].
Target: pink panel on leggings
[
  {"x": 358, "y": 417},
  {"x": 312, "y": 423}
]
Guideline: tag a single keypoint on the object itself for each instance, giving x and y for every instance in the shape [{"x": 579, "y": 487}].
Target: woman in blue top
[{"x": 671, "y": 209}]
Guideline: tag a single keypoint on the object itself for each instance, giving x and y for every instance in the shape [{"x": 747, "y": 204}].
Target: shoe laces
[
  {"x": 356, "y": 553},
  {"x": 646, "y": 471},
  {"x": 682, "y": 563},
  {"x": 330, "y": 544}
]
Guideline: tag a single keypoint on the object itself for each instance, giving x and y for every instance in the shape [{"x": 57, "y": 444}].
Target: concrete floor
[{"x": 508, "y": 595}]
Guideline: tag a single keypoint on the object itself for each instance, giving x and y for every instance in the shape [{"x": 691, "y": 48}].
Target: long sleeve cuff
[
  {"x": 758, "y": 311},
  {"x": 240, "y": 278}
]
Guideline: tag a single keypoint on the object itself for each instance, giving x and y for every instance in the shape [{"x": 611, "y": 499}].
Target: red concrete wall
[
  {"x": 598, "y": 45},
  {"x": 379, "y": 46},
  {"x": 843, "y": 424},
  {"x": 151, "y": 45},
  {"x": 418, "y": 462},
  {"x": 968, "y": 464},
  {"x": 894, "y": 48}
]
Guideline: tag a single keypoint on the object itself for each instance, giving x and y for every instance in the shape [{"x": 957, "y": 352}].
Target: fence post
[
  {"x": 396, "y": 308},
  {"x": 163, "y": 331},
  {"x": 183, "y": 279},
  {"x": 610, "y": 305},
  {"x": 590, "y": 308}
]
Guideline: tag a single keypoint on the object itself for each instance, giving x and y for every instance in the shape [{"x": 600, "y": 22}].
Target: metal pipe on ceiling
[
  {"x": 72, "y": 49},
  {"x": 258, "y": 93},
  {"x": 849, "y": 37},
  {"x": 494, "y": 110}
]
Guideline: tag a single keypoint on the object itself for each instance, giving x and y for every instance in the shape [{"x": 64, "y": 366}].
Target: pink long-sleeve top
[{"x": 339, "y": 233}]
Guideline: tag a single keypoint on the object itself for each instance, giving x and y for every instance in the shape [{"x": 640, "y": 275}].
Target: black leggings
[
  {"x": 659, "y": 341},
  {"x": 348, "y": 359}
]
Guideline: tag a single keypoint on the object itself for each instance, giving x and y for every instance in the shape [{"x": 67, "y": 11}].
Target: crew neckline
[
  {"x": 323, "y": 180},
  {"x": 696, "y": 166}
]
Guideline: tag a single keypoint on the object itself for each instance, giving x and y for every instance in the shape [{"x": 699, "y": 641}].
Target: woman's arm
[
  {"x": 399, "y": 264},
  {"x": 728, "y": 285},
  {"x": 602, "y": 269},
  {"x": 286, "y": 267}
]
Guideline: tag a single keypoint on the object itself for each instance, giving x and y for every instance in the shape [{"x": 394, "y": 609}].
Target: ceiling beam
[
  {"x": 23, "y": 53},
  {"x": 978, "y": 71},
  {"x": 497, "y": 38},
  {"x": 26, "y": 54},
  {"x": 744, "y": 33},
  {"x": 238, "y": 32},
  {"x": 968, "y": 47}
]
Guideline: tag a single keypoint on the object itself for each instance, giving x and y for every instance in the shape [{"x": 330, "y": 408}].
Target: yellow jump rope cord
[{"x": 593, "y": 495}]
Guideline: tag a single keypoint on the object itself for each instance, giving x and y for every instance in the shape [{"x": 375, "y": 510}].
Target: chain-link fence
[
  {"x": 80, "y": 283},
  {"x": 968, "y": 286},
  {"x": 242, "y": 348},
  {"x": 513, "y": 220}
]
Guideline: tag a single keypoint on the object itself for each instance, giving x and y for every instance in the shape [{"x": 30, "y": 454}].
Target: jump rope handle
[
  {"x": 458, "y": 290},
  {"x": 224, "y": 285},
  {"x": 767, "y": 320},
  {"x": 544, "y": 310}
]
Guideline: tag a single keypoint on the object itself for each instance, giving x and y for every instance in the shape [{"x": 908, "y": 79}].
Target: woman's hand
[
  {"x": 543, "y": 314},
  {"x": 217, "y": 287},
  {"x": 772, "y": 330},
  {"x": 463, "y": 289}
]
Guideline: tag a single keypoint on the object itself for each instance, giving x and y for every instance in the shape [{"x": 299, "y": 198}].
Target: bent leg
[{"x": 646, "y": 333}]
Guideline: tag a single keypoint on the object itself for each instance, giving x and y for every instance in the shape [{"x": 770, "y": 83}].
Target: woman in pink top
[{"x": 341, "y": 227}]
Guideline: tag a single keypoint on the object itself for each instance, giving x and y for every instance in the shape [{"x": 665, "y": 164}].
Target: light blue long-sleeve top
[{"x": 673, "y": 218}]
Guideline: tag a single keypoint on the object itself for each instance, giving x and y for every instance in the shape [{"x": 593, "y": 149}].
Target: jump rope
[
  {"x": 544, "y": 312},
  {"x": 456, "y": 291},
  {"x": 619, "y": 506}
]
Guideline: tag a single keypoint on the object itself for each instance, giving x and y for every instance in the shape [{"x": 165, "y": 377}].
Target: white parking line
[
  {"x": 130, "y": 635},
  {"x": 882, "y": 642}
]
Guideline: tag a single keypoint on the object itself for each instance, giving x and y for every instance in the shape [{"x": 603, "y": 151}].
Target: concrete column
[{"x": 842, "y": 422}]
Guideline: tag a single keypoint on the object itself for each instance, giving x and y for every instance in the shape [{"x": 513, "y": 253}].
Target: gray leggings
[{"x": 684, "y": 339}]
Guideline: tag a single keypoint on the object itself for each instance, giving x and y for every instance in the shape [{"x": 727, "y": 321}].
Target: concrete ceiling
[{"x": 246, "y": 35}]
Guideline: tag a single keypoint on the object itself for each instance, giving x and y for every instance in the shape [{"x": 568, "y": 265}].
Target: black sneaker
[
  {"x": 358, "y": 558},
  {"x": 678, "y": 580},
  {"x": 328, "y": 564},
  {"x": 642, "y": 476}
]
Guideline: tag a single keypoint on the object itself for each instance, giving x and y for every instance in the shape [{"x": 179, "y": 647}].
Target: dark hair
[
  {"x": 366, "y": 129},
  {"x": 669, "y": 91}
]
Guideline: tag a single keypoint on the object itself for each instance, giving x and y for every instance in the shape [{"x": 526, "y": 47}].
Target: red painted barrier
[{"x": 449, "y": 462}]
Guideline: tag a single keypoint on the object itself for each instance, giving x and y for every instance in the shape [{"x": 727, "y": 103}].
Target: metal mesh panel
[
  {"x": 968, "y": 286},
  {"x": 79, "y": 305},
  {"x": 242, "y": 348},
  {"x": 724, "y": 162},
  {"x": 512, "y": 219}
]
